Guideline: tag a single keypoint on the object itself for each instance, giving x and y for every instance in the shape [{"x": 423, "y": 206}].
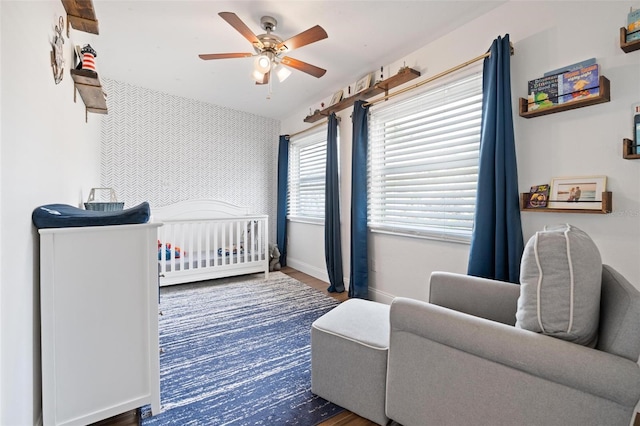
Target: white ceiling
[{"x": 155, "y": 45}]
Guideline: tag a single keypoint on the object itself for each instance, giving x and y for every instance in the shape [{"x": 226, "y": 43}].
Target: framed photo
[
  {"x": 580, "y": 193},
  {"x": 363, "y": 83},
  {"x": 337, "y": 97}
]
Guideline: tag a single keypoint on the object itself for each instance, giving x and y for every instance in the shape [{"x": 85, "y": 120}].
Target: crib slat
[
  {"x": 223, "y": 258},
  {"x": 172, "y": 259},
  {"x": 238, "y": 244},
  {"x": 216, "y": 246},
  {"x": 208, "y": 244},
  {"x": 260, "y": 233},
  {"x": 254, "y": 246}
]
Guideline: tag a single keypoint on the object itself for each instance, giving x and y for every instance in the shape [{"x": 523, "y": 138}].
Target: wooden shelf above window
[
  {"x": 87, "y": 83},
  {"x": 604, "y": 96},
  {"x": 81, "y": 16},
  {"x": 606, "y": 206},
  {"x": 628, "y": 151},
  {"x": 630, "y": 46},
  {"x": 383, "y": 86}
]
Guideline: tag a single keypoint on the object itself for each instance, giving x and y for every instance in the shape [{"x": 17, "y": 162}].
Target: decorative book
[
  {"x": 538, "y": 196},
  {"x": 543, "y": 92},
  {"x": 579, "y": 84},
  {"x": 633, "y": 25}
]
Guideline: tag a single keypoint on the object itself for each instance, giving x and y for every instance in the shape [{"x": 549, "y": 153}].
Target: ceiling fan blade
[
  {"x": 265, "y": 79},
  {"x": 208, "y": 56},
  {"x": 303, "y": 66},
  {"x": 241, "y": 27},
  {"x": 309, "y": 36}
]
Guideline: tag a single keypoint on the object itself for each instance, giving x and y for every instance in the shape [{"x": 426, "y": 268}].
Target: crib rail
[{"x": 202, "y": 249}]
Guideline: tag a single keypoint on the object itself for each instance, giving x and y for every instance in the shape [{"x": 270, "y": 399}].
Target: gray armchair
[{"x": 460, "y": 360}]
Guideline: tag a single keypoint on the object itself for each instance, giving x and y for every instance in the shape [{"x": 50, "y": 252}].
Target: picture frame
[
  {"x": 578, "y": 192},
  {"x": 362, "y": 84},
  {"x": 337, "y": 97}
]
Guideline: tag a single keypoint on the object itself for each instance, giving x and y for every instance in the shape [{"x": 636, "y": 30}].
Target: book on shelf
[
  {"x": 543, "y": 92},
  {"x": 538, "y": 196},
  {"x": 579, "y": 84},
  {"x": 633, "y": 25}
]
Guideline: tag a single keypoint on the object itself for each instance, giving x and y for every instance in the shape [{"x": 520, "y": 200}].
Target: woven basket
[{"x": 111, "y": 206}]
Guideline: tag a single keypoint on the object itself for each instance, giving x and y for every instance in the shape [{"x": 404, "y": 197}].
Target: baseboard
[
  {"x": 315, "y": 272},
  {"x": 318, "y": 273},
  {"x": 380, "y": 296}
]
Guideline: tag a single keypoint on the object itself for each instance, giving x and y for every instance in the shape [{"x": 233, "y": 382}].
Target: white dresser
[{"x": 99, "y": 317}]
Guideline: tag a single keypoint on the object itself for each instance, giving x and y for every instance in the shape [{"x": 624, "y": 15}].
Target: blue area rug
[{"x": 239, "y": 353}]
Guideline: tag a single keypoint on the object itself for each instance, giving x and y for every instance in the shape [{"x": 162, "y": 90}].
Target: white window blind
[
  {"x": 307, "y": 164},
  {"x": 423, "y": 162}
]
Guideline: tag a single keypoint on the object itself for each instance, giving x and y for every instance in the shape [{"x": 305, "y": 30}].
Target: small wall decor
[
  {"x": 363, "y": 83},
  {"x": 337, "y": 97},
  {"x": 88, "y": 58},
  {"x": 57, "y": 54}
]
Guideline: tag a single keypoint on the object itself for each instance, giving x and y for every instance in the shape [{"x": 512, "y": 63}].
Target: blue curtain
[
  {"x": 359, "y": 267},
  {"x": 496, "y": 243},
  {"x": 332, "y": 240},
  {"x": 283, "y": 177}
]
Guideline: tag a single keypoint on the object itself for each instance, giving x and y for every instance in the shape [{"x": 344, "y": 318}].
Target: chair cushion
[{"x": 560, "y": 277}]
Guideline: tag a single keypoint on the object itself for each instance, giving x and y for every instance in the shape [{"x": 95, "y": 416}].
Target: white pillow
[{"x": 560, "y": 277}]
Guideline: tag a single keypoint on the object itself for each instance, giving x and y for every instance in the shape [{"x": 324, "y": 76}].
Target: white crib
[{"x": 207, "y": 239}]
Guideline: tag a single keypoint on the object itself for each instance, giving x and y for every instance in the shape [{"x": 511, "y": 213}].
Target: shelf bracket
[{"x": 628, "y": 150}]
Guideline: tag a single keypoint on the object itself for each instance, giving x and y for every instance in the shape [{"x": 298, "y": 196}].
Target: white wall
[
  {"x": 48, "y": 154},
  {"x": 586, "y": 141}
]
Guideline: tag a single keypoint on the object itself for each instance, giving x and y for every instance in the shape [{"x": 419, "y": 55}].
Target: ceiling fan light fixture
[
  {"x": 263, "y": 63},
  {"x": 258, "y": 76},
  {"x": 282, "y": 72}
]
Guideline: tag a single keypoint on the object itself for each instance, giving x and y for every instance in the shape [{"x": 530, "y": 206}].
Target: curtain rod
[
  {"x": 430, "y": 79},
  {"x": 322, "y": 123}
]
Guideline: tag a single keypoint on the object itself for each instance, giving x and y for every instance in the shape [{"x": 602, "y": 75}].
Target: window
[
  {"x": 423, "y": 162},
  {"x": 307, "y": 165}
]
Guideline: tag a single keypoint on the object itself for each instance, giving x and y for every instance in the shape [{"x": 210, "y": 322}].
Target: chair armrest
[
  {"x": 480, "y": 297},
  {"x": 592, "y": 371}
]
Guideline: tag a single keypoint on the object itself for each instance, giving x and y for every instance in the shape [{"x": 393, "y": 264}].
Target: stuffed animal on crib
[
  {"x": 274, "y": 258},
  {"x": 167, "y": 251}
]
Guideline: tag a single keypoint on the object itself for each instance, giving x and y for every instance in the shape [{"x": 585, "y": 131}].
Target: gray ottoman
[{"x": 349, "y": 346}]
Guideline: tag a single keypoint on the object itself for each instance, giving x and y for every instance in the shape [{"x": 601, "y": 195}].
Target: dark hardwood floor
[{"x": 346, "y": 418}]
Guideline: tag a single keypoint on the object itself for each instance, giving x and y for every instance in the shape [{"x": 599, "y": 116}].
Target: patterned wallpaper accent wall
[{"x": 162, "y": 149}]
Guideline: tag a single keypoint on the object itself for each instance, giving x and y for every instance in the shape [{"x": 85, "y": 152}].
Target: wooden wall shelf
[
  {"x": 383, "y": 86},
  {"x": 606, "y": 206},
  {"x": 88, "y": 84},
  {"x": 628, "y": 47},
  {"x": 604, "y": 96},
  {"x": 81, "y": 16},
  {"x": 628, "y": 151}
]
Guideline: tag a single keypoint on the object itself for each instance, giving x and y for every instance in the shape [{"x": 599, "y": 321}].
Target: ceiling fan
[{"x": 269, "y": 49}]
